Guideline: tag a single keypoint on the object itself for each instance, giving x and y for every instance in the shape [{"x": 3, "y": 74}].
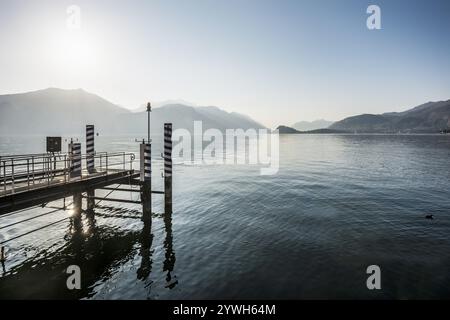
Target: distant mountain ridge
[
  {"x": 289, "y": 130},
  {"x": 61, "y": 112},
  {"x": 430, "y": 117},
  {"x": 158, "y": 104},
  {"x": 182, "y": 116},
  {"x": 312, "y": 125},
  {"x": 53, "y": 111}
]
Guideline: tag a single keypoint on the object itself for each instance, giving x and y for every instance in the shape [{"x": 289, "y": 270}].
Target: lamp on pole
[{"x": 149, "y": 109}]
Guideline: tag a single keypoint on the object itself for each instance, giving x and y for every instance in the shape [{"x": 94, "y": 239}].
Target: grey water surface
[{"x": 338, "y": 204}]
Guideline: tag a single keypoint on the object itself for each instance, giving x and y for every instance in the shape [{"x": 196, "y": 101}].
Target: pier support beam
[
  {"x": 168, "y": 168},
  {"x": 3, "y": 259},
  {"x": 146, "y": 180},
  {"x": 90, "y": 200},
  {"x": 76, "y": 216},
  {"x": 90, "y": 151},
  {"x": 75, "y": 172}
]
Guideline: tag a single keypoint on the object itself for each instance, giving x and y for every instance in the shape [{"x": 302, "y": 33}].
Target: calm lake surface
[{"x": 338, "y": 204}]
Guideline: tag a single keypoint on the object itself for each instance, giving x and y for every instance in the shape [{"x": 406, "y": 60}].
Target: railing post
[
  {"x": 4, "y": 176},
  {"x": 28, "y": 172},
  {"x": 47, "y": 168},
  {"x": 12, "y": 175},
  {"x": 66, "y": 172},
  {"x": 69, "y": 161},
  {"x": 32, "y": 167}
]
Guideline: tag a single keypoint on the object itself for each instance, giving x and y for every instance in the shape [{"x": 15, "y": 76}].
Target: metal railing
[{"x": 36, "y": 170}]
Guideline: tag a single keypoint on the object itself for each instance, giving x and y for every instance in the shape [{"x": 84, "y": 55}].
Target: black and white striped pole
[
  {"x": 75, "y": 163},
  {"x": 90, "y": 151},
  {"x": 90, "y": 164},
  {"x": 146, "y": 172},
  {"x": 168, "y": 167}
]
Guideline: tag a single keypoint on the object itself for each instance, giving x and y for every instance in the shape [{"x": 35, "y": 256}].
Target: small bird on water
[{"x": 429, "y": 216}]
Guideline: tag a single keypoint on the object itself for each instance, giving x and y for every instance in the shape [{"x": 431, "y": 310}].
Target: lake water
[{"x": 338, "y": 204}]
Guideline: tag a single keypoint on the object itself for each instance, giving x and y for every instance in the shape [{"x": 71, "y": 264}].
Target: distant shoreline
[
  {"x": 289, "y": 130},
  {"x": 368, "y": 134}
]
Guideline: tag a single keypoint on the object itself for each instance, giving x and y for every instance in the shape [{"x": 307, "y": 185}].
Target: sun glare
[{"x": 72, "y": 52}]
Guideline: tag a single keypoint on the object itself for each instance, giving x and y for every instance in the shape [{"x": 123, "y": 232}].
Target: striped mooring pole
[
  {"x": 90, "y": 151},
  {"x": 90, "y": 164},
  {"x": 146, "y": 179},
  {"x": 168, "y": 167},
  {"x": 75, "y": 160}
]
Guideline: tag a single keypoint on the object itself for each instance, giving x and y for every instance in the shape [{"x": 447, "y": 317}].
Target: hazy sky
[{"x": 277, "y": 61}]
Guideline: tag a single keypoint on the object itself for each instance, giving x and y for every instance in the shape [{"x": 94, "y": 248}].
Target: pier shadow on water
[{"x": 100, "y": 250}]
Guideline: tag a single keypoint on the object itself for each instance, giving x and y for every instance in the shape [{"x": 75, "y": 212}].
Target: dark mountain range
[
  {"x": 289, "y": 130},
  {"x": 431, "y": 117}
]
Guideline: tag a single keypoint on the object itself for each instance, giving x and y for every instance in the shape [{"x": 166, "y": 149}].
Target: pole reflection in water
[
  {"x": 3, "y": 267},
  {"x": 169, "y": 261},
  {"x": 98, "y": 249},
  {"x": 145, "y": 240},
  {"x": 99, "y": 241}
]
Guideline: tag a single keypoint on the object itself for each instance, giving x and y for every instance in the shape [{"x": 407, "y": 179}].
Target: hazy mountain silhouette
[
  {"x": 430, "y": 117},
  {"x": 183, "y": 116},
  {"x": 61, "y": 112},
  {"x": 313, "y": 125},
  {"x": 54, "y": 111},
  {"x": 157, "y": 104}
]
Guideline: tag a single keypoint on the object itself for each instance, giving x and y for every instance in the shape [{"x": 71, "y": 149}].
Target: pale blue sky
[{"x": 277, "y": 61}]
